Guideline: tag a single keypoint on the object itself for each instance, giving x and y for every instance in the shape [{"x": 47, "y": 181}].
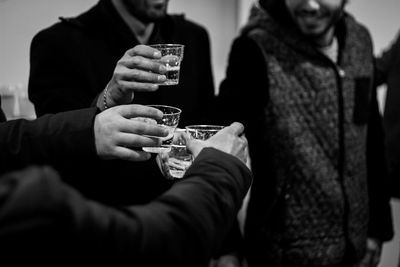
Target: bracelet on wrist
[{"x": 105, "y": 99}]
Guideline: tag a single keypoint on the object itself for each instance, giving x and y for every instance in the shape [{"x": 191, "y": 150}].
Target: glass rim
[
  {"x": 209, "y": 127},
  {"x": 166, "y": 45},
  {"x": 175, "y": 112}
]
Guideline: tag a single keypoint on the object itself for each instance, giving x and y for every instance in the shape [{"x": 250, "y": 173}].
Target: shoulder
[
  {"x": 66, "y": 27},
  {"x": 356, "y": 29},
  {"x": 180, "y": 21}
]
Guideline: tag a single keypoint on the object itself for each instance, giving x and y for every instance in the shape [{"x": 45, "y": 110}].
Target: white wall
[
  {"x": 220, "y": 18},
  {"x": 21, "y": 19}
]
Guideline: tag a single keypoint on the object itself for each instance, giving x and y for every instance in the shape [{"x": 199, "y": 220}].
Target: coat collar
[{"x": 260, "y": 19}]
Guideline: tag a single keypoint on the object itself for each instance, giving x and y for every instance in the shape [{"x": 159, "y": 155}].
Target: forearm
[
  {"x": 49, "y": 139},
  {"x": 183, "y": 227},
  {"x": 198, "y": 211},
  {"x": 380, "y": 223}
]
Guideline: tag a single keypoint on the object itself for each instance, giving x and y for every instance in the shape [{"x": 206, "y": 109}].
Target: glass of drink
[
  {"x": 169, "y": 120},
  {"x": 174, "y": 162},
  {"x": 202, "y": 132},
  {"x": 171, "y": 57}
]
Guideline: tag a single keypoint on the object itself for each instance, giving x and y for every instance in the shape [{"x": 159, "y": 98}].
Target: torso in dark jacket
[
  {"x": 73, "y": 60},
  {"x": 306, "y": 121}
]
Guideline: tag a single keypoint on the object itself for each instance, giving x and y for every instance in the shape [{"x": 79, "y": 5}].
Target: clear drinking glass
[
  {"x": 170, "y": 120},
  {"x": 171, "y": 57},
  {"x": 174, "y": 162},
  {"x": 203, "y": 132}
]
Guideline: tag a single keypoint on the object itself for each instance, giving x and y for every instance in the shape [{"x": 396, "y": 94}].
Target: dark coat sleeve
[
  {"x": 2, "y": 115},
  {"x": 50, "y": 139},
  {"x": 386, "y": 62},
  {"x": 207, "y": 95},
  {"x": 40, "y": 216},
  {"x": 60, "y": 79},
  {"x": 244, "y": 90},
  {"x": 380, "y": 223},
  {"x": 242, "y": 99}
]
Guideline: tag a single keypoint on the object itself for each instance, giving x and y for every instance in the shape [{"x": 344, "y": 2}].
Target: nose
[{"x": 311, "y": 5}]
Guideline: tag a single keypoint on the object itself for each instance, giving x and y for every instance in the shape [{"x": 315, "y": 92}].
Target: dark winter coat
[{"x": 306, "y": 120}]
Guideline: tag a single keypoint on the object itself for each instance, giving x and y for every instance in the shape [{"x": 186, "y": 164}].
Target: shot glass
[
  {"x": 174, "y": 162},
  {"x": 170, "y": 120},
  {"x": 171, "y": 57},
  {"x": 202, "y": 132}
]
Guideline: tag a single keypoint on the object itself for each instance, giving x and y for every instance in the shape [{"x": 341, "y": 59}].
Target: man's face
[
  {"x": 147, "y": 10},
  {"x": 315, "y": 18}
]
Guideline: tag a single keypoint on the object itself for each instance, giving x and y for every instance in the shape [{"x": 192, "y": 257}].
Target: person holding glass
[
  {"x": 47, "y": 219},
  {"x": 74, "y": 62},
  {"x": 300, "y": 78},
  {"x": 106, "y": 60}
]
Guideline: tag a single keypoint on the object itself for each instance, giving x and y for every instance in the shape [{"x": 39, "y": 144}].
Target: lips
[{"x": 310, "y": 18}]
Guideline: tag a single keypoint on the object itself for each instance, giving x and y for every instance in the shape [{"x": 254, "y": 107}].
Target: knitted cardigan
[{"x": 314, "y": 127}]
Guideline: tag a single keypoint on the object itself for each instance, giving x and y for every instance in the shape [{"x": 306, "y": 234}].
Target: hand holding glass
[
  {"x": 174, "y": 162},
  {"x": 171, "y": 57},
  {"x": 169, "y": 120},
  {"x": 203, "y": 132}
]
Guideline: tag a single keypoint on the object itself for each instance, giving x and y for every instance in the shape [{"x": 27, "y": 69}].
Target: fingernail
[
  {"x": 161, "y": 78},
  {"x": 157, "y": 54},
  {"x": 163, "y": 68}
]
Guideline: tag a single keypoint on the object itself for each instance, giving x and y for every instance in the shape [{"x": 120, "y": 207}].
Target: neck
[
  {"x": 326, "y": 39},
  {"x": 140, "y": 29}
]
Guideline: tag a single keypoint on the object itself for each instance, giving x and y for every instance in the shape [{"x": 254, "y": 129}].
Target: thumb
[{"x": 194, "y": 145}]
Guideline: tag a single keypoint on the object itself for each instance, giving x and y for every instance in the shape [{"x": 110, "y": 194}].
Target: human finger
[
  {"x": 142, "y": 76},
  {"x": 145, "y": 51},
  {"x": 194, "y": 145},
  {"x": 144, "y": 128},
  {"x": 146, "y": 64},
  {"x": 135, "y": 110},
  {"x": 134, "y": 86},
  {"x": 236, "y": 128}
]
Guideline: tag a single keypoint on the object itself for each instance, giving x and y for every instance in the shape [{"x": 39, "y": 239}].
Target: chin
[{"x": 313, "y": 32}]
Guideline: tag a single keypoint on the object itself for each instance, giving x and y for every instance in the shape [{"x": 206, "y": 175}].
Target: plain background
[{"x": 21, "y": 19}]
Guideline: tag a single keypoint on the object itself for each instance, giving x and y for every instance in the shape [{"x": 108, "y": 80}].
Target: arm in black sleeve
[
  {"x": 41, "y": 216},
  {"x": 385, "y": 62},
  {"x": 207, "y": 95},
  {"x": 56, "y": 78},
  {"x": 2, "y": 115},
  {"x": 380, "y": 224},
  {"x": 50, "y": 139},
  {"x": 245, "y": 87},
  {"x": 242, "y": 97}
]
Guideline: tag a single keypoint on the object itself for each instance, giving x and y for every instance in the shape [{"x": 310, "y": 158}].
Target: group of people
[{"x": 302, "y": 101}]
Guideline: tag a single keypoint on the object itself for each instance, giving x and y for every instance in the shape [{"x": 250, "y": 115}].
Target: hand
[
  {"x": 373, "y": 254},
  {"x": 229, "y": 140},
  {"x": 225, "y": 261},
  {"x": 118, "y": 135},
  {"x": 137, "y": 71}
]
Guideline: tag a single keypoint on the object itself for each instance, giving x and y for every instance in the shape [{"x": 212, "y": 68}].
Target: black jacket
[
  {"x": 59, "y": 140},
  {"x": 73, "y": 60},
  {"x": 24, "y": 142},
  {"x": 306, "y": 121},
  {"x": 388, "y": 72},
  {"x": 44, "y": 221}
]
